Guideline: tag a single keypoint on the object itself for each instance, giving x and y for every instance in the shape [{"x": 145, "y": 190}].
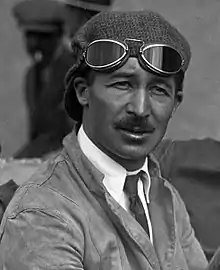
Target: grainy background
[{"x": 199, "y": 114}]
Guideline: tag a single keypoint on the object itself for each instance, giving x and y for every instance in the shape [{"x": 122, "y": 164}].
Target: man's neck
[{"x": 128, "y": 165}]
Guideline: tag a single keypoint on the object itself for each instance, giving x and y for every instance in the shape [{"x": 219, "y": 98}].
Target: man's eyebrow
[
  {"x": 119, "y": 74},
  {"x": 160, "y": 80}
]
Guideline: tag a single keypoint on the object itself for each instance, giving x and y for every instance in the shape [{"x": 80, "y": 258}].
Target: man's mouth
[{"x": 136, "y": 132}]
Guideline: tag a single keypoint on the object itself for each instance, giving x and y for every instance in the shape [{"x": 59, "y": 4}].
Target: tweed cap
[
  {"x": 39, "y": 15},
  {"x": 145, "y": 25},
  {"x": 94, "y": 5}
]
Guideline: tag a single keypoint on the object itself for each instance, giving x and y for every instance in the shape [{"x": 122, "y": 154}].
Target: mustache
[{"x": 135, "y": 123}]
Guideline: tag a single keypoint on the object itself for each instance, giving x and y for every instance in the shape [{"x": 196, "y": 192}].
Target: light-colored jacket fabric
[
  {"x": 192, "y": 167},
  {"x": 64, "y": 218}
]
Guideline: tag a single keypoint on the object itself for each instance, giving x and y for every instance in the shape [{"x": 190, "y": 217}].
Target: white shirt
[{"x": 115, "y": 174}]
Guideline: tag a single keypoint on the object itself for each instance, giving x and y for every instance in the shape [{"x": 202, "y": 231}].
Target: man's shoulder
[
  {"x": 189, "y": 149},
  {"x": 199, "y": 154},
  {"x": 190, "y": 156},
  {"x": 203, "y": 152},
  {"x": 48, "y": 189}
]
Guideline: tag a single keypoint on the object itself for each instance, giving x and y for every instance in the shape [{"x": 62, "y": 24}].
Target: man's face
[{"x": 127, "y": 112}]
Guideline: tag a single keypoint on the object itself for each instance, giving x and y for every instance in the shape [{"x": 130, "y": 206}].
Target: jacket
[
  {"x": 64, "y": 218},
  {"x": 192, "y": 166}
]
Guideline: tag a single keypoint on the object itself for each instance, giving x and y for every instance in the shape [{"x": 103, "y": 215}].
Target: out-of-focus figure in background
[
  {"x": 80, "y": 11},
  {"x": 42, "y": 23}
]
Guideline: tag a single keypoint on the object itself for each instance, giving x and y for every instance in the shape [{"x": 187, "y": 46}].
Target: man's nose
[{"x": 140, "y": 104}]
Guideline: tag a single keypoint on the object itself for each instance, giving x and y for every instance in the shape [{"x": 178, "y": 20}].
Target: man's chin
[
  {"x": 134, "y": 153},
  {"x": 137, "y": 152}
]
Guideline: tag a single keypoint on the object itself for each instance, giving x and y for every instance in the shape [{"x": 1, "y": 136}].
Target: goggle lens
[
  {"x": 104, "y": 53},
  {"x": 162, "y": 58}
]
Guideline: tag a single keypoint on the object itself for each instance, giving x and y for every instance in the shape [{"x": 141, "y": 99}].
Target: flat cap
[
  {"x": 39, "y": 15},
  {"x": 94, "y": 5},
  {"x": 145, "y": 25}
]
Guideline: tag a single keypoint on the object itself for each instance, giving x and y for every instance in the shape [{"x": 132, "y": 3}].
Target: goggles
[{"x": 104, "y": 54}]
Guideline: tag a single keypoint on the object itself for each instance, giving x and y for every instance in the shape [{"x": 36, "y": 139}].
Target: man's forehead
[{"x": 130, "y": 66}]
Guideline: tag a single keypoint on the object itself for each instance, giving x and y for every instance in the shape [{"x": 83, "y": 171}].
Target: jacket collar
[
  {"x": 114, "y": 173},
  {"x": 161, "y": 204}
]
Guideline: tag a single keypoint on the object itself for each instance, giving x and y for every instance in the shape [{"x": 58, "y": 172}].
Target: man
[
  {"x": 43, "y": 23},
  {"x": 102, "y": 203}
]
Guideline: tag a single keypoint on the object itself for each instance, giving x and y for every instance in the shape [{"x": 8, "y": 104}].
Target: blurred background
[{"x": 197, "y": 117}]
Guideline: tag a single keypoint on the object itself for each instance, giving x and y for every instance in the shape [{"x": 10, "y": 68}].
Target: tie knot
[{"x": 130, "y": 186}]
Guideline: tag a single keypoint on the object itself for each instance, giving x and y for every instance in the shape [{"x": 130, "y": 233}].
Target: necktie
[{"x": 136, "y": 207}]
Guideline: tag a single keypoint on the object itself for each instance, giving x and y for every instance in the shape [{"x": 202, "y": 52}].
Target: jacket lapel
[
  {"x": 132, "y": 232},
  {"x": 127, "y": 227},
  {"x": 161, "y": 210}
]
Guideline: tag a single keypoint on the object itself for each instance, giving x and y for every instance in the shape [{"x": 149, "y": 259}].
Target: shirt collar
[{"x": 114, "y": 173}]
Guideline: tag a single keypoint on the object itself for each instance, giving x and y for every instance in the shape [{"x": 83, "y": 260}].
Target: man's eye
[
  {"x": 123, "y": 85},
  {"x": 160, "y": 91}
]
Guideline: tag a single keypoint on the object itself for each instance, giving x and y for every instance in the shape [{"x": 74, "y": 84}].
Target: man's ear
[{"x": 81, "y": 87}]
